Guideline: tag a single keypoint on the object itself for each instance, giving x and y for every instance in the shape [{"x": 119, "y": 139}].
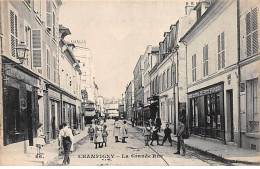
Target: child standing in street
[
  {"x": 155, "y": 135},
  {"x": 147, "y": 133},
  {"x": 124, "y": 132},
  {"x": 167, "y": 134},
  {"x": 104, "y": 135},
  {"x": 91, "y": 132}
]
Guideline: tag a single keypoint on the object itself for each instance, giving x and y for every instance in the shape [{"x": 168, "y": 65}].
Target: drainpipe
[
  {"x": 239, "y": 72},
  {"x": 177, "y": 77},
  {"x": 174, "y": 96}
]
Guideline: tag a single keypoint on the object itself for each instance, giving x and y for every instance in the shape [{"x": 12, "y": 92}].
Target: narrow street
[{"x": 132, "y": 153}]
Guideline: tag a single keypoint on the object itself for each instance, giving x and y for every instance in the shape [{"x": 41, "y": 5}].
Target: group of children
[
  {"x": 150, "y": 132},
  {"x": 98, "y": 134}
]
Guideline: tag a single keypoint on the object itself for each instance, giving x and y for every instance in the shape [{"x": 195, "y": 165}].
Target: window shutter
[
  {"x": 14, "y": 32},
  {"x": 48, "y": 12},
  {"x": 254, "y": 28},
  {"x": 36, "y": 40}
]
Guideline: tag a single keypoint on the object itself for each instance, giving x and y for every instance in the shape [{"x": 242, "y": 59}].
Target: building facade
[
  {"x": 212, "y": 83},
  {"x": 33, "y": 87},
  {"x": 139, "y": 91},
  {"x": 129, "y": 100},
  {"x": 249, "y": 75},
  {"x": 150, "y": 59}
]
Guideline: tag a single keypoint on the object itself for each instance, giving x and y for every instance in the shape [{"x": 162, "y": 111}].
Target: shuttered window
[
  {"x": 49, "y": 15},
  {"x": 54, "y": 69},
  {"x": 48, "y": 64},
  {"x": 252, "y": 32},
  {"x": 168, "y": 78},
  {"x": 221, "y": 51},
  {"x": 53, "y": 25},
  {"x": 37, "y": 45},
  {"x": 252, "y": 106},
  {"x": 13, "y": 32},
  {"x": 194, "y": 67},
  {"x": 205, "y": 61}
]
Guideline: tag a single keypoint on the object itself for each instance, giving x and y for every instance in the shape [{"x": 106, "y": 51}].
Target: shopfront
[{"x": 206, "y": 112}]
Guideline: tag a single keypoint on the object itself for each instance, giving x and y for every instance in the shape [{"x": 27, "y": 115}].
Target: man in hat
[{"x": 180, "y": 133}]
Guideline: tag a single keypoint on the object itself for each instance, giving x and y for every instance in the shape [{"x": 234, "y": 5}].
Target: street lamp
[{"x": 21, "y": 51}]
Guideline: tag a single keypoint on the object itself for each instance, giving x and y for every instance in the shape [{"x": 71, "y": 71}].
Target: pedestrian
[
  {"x": 147, "y": 133},
  {"x": 40, "y": 142},
  {"x": 116, "y": 131},
  {"x": 124, "y": 132},
  {"x": 180, "y": 133},
  {"x": 67, "y": 141},
  {"x": 167, "y": 135},
  {"x": 104, "y": 135},
  {"x": 158, "y": 123},
  {"x": 98, "y": 135},
  {"x": 133, "y": 121},
  {"x": 155, "y": 135},
  {"x": 91, "y": 132}
]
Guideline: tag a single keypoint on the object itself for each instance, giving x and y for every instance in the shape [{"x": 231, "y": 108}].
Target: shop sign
[{"x": 208, "y": 91}]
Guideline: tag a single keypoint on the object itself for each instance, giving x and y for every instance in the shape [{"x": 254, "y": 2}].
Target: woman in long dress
[
  {"x": 98, "y": 135},
  {"x": 116, "y": 131}
]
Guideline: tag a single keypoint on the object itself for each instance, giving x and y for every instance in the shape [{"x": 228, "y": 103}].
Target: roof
[
  {"x": 155, "y": 49},
  {"x": 199, "y": 20}
]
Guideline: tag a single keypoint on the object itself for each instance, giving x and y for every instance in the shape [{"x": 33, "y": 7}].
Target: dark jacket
[
  {"x": 158, "y": 122},
  {"x": 167, "y": 131}
]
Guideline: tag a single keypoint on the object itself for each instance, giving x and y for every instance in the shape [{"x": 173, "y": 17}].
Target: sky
[{"x": 117, "y": 33}]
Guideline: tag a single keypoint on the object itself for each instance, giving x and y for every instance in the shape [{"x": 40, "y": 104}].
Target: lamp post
[{"x": 174, "y": 73}]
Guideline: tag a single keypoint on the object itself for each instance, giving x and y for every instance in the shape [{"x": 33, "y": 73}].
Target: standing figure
[
  {"x": 167, "y": 134},
  {"x": 180, "y": 132},
  {"x": 104, "y": 135},
  {"x": 67, "y": 141},
  {"x": 91, "y": 132},
  {"x": 98, "y": 135},
  {"x": 133, "y": 121},
  {"x": 124, "y": 132},
  {"x": 40, "y": 142},
  {"x": 158, "y": 123},
  {"x": 155, "y": 135},
  {"x": 116, "y": 131},
  {"x": 147, "y": 133}
]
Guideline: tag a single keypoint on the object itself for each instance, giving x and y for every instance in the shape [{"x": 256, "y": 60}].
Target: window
[
  {"x": 53, "y": 25},
  {"x": 48, "y": 15},
  {"x": 54, "y": 69},
  {"x": 36, "y": 44},
  {"x": 252, "y": 106},
  {"x": 205, "y": 60},
  {"x": 13, "y": 32},
  {"x": 194, "y": 68},
  {"x": 163, "y": 82},
  {"x": 221, "y": 51},
  {"x": 168, "y": 78},
  {"x": 252, "y": 32},
  {"x": 48, "y": 64}
]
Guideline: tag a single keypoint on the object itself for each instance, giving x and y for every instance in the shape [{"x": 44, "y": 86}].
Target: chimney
[{"x": 189, "y": 8}]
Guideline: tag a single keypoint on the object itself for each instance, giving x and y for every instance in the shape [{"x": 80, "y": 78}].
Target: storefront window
[{"x": 207, "y": 116}]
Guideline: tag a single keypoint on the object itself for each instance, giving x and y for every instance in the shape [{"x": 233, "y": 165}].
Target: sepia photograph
[{"x": 129, "y": 83}]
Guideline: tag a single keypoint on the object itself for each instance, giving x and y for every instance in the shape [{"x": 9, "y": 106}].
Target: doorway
[{"x": 230, "y": 121}]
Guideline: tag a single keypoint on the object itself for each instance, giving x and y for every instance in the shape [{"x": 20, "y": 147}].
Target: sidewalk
[
  {"x": 13, "y": 157},
  {"x": 217, "y": 150}
]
